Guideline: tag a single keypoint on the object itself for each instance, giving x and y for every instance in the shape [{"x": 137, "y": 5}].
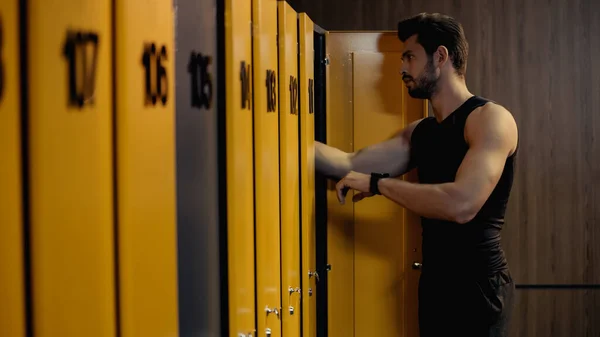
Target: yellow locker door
[
  {"x": 378, "y": 222},
  {"x": 240, "y": 170},
  {"x": 69, "y": 47},
  {"x": 340, "y": 218},
  {"x": 307, "y": 173},
  {"x": 145, "y": 126},
  {"x": 290, "y": 179},
  {"x": 266, "y": 149},
  {"x": 412, "y": 110},
  {"x": 376, "y": 236},
  {"x": 12, "y": 292}
]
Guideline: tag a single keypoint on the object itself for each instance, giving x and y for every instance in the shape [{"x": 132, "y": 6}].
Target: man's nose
[{"x": 403, "y": 70}]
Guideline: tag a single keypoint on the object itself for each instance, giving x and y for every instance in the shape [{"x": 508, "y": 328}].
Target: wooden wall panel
[
  {"x": 536, "y": 59},
  {"x": 556, "y": 313}
]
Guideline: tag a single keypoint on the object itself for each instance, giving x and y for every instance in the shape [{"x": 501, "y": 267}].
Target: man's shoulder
[
  {"x": 491, "y": 121},
  {"x": 491, "y": 114}
]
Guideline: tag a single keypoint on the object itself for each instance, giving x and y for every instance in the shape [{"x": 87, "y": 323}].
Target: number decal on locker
[
  {"x": 293, "y": 95},
  {"x": 152, "y": 62},
  {"x": 271, "y": 91},
  {"x": 82, "y": 66},
  {"x": 202, "y": 88},
  {"x": 311, "y": 96},
  {"x": 245, "y": 79},
  {"x": 1, "y": 63}
]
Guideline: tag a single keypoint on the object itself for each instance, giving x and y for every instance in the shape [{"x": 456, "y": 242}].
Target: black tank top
[{"x": 438, "y": 149}]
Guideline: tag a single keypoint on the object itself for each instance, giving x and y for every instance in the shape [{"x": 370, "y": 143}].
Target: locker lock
[
  {"x": 291, "y": 310},
  {"x": 268, "y": 332},
  {"x": 274, "y": 311}
]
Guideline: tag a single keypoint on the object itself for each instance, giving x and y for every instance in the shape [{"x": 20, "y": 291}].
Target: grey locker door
[{"x": 197, "y": 168}]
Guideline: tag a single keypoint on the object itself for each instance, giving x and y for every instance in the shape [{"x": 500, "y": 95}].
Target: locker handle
[
  {"x": 274, "y": 311},
  {"x": 297, "y": 290}
]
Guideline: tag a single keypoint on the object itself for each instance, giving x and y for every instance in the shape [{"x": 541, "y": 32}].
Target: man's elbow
[
  {"x": 464, "y": 212},
  {"x": 331, "y": 161}
]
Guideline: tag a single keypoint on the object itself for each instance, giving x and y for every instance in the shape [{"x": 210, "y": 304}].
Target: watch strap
[{"x": 375, "y": 177}]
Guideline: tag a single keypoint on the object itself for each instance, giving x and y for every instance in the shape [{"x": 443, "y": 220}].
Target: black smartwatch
[{"x": 375, "y": 180}]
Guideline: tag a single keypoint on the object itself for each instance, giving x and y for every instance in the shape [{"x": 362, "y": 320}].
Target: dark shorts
[{"x": 465, "y": 307}]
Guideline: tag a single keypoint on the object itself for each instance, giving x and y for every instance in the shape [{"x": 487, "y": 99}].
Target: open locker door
[{"x": 370, "y": 245}]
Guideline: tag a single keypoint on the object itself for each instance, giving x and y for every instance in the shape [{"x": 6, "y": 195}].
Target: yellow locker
[
  {"x": 413, "y": 109},
  {"x": 12, "y": 292},
  {"x": 289, "y": 164},
  {"x": 307, "y": 172},
  {"x": 340, "y": 218},
  {"x": 145, "y": 126},
  {"x": 378, "y": 222},
  {"x": 374, "y": 236},
  {"x": 240, "y": 170},
  {"x": 266, "y": 149},
  {"x": 69, "y": 48}
]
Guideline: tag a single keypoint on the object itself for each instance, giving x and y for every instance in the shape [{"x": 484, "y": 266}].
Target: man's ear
[{"x": 441, "y": 56}]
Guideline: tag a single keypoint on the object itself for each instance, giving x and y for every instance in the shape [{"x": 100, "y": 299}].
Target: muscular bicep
[
  {"x": 492, "y": 138},
  {"x": 391, "y": 156},
  {"x": 479, "y": 174}
]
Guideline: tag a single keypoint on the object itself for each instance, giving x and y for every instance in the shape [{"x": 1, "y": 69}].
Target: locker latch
[
  {"x": 274, "y": 311},
  {"x": 297, "y": 290}
]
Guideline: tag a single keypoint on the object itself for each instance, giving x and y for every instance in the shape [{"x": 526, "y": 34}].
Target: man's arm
[
  {"x": 492, "y": 136},
  {"x": 391, "y": 156}
]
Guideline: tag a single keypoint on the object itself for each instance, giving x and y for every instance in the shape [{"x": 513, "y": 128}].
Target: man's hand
[{"x": 356, "y": 181}]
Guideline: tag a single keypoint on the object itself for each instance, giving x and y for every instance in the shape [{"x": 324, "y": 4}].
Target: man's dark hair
[{"x": 434, "y": 30}]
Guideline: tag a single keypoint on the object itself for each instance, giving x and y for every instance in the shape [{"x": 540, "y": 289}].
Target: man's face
[{"x": 418, "y": 72}]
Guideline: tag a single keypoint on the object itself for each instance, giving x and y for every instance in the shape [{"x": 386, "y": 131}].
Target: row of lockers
[{"x": 156, "y": 168}]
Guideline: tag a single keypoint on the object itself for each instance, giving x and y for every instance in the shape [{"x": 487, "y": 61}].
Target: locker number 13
[{"x": 271, "y": 91}]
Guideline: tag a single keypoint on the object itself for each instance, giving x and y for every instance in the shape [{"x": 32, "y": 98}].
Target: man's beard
[{"x": 426, "y": 85}]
